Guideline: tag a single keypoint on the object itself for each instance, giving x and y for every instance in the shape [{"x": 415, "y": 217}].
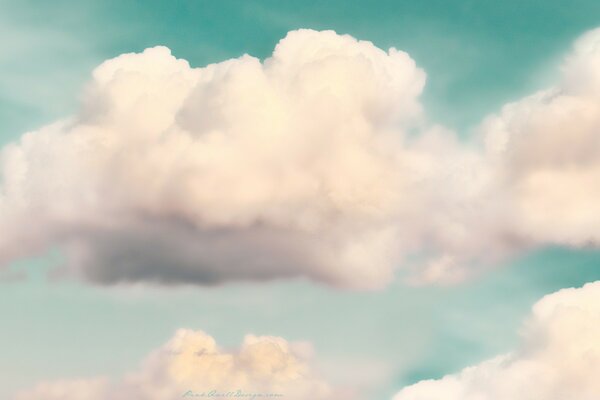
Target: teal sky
[{"x": 477, "y": 54}]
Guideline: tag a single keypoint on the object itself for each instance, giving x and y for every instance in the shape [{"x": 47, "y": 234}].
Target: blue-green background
[{"x": 478, "y": 55}]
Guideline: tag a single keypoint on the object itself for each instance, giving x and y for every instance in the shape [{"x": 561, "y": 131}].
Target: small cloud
[{"x": 191, "y": 364}]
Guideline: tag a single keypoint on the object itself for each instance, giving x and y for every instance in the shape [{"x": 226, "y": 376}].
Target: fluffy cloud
[
  {"x": 546, "y": 148},
  {"x": 191, "y": 364},
  {"x": 559, "y": 357},
  {"x": 316, "y": 163},
  {"x": 540, "y": 162},
  {"x": 297, "y": 166}
]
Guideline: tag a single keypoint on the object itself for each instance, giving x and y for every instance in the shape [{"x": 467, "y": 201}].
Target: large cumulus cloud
[
  {"x": 317, "y": 162},
  {"x": 296, "y": 166},
  {"x": 559, "y": 357},
  {"x": 191, "y": 365}
]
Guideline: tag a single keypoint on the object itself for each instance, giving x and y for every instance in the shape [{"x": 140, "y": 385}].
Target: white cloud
[
  {"x": 317, "y": 163},
  {"x": 547, "y": 153},
  {"x": 541, "y": 161},
  {"x": 192, "y": 363},
  {"x": 559, "y": 357},
  {"x": 298, "y": 166}
]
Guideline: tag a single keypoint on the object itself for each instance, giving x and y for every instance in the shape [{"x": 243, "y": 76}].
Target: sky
[{"x": 477, "y": 56}]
